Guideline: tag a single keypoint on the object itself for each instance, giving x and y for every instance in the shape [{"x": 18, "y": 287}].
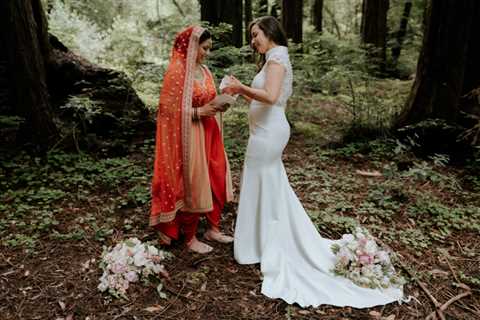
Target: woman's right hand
[
  {"x": 207, "y": 110},
  {"x": 233, "y": 87}
]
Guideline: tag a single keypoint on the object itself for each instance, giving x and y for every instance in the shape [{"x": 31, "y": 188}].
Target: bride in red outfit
[{"x": 191, "y": 172}]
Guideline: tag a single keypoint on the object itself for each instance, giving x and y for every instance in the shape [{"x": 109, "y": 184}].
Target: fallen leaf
[
  {"x": 304, "y": 312},
  {"x": 7, "y": 273},
  {"x": 366, "y": 173},
  {"x": 154, "y": 308},
  {"x": 390, "y": 317},
  {"x": 440, "y": 272},
  {"x": 203, "y": 287},
  {"x": 62, "y": 305}
]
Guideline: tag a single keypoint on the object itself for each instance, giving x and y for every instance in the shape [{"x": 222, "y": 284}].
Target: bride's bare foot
[
  {"x": 215, "y": 235},
  {"x": 197, "y": 246}
]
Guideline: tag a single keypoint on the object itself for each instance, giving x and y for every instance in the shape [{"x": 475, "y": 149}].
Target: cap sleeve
[{"x": 278, "y": 57}]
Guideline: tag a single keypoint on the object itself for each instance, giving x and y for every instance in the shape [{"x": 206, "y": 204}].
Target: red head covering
[{"x": 171, "y": 189}]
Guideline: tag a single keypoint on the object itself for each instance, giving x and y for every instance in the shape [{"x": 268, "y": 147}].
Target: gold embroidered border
[{"x": 187, "y": 110}]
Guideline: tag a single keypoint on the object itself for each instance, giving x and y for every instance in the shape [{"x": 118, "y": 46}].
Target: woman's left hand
[{"x": 234, "y": 86}]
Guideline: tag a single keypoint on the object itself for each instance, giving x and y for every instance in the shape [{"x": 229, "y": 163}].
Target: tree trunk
[
  {"x": 248, "y": 19},
  {"x": 292, "y": 19},
  {"x": 448, "y": 66},
  {"x": 38, "y": 74},
  {"x": 374, "y": 29},
  {"x": 70, "y": 74},
  {"x": 232, "y": 12},
  {"x": 210, "y": 11},
  {"x": 317, "y": 14},
  {"x": 472, "y": 66},
  {"x": 358, "y": 7},
  {"x": 335, "y": 27},
  {"x": 362, "y": 21},
  {"x": 179, "y": 7},
  {"x": 24, "y": 35},
  {"x": 402, "y": 31},
  {"x": 227, "y": 11}
]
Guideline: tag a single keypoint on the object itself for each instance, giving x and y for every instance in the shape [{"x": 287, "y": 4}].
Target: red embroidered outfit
[{"x": 191, "y": 172}]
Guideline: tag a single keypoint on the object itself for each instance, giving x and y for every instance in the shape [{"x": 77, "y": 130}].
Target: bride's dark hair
[
  {"x": 205, "y": 36},
  {"x": 272, "y": 29}
]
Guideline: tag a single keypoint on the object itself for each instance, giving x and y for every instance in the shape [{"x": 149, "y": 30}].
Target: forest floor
[{"x": 58, "y": 213}]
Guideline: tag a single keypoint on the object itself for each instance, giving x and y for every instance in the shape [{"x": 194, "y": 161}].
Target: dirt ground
[{"x": 59, "y": 281}]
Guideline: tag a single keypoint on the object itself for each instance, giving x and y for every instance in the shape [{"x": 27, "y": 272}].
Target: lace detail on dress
[
  {"x": 279, "y": 55},
  {"x": 279, "y": 58}
]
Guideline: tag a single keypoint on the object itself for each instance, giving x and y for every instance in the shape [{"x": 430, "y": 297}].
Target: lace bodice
[{"x": 278, "y": 54}]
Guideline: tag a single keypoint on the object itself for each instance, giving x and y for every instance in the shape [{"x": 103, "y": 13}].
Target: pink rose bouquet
[{"x": 360, "y": 259}]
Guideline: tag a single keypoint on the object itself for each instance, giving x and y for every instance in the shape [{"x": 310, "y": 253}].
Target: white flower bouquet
[
  {"x": 360, "y": 259},
  {"x": 128, "y": 262}
]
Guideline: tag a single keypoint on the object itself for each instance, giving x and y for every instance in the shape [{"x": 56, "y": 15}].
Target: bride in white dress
[{"x": 272, "y": 227}]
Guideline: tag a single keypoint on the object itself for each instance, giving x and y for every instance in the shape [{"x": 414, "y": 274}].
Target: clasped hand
[{"x": 211, "y": 109}]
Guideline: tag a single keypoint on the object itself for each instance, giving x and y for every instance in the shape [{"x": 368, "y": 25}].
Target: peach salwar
[{"x": 191, "y": 172}]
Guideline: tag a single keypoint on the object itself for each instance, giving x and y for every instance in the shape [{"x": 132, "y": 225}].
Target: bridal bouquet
[
  {"x": 360, "y": 259},
  {"x": 129, "y": 261}
]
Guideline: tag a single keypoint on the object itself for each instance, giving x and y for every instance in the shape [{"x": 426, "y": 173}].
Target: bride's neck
[{"x": 271, "y": 46}]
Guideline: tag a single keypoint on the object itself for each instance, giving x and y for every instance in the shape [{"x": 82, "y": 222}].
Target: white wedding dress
[{"x": 272, "y": 227}]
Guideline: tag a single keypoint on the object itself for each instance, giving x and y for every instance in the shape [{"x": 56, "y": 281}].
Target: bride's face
[
  {"x": 260, "y": 42},
  {"x": 204, "y": 50}
]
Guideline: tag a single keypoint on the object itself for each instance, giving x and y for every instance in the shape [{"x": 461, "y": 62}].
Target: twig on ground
[
  {"x": 198, "y": 261},
  {"x": 125, "y": 311},
  {"x": 465, "y": 307},
  {"x": 451, "y": 269},
  {"x": 7, "y": 260},
  {"x": 178, "y": 294},
  {"x": 421, "y": 285},
  {"x": 444, "y": 306},
  {"x": 453, "y": 299}
]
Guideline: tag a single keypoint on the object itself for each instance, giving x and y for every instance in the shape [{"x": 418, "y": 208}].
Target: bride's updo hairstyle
[{"x": 273, "y": 30}]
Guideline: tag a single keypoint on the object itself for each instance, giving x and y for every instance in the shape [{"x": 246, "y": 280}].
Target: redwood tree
[
  {"x": 317, "y": 15},
  {"x": 448, "y": 66},
  {"x": 38, "y": 74},
  {"x": 227, "y": 11},
  {"x": 248, "y": 19},
  {"x": 374, "y": 28},
  {"x": 402, "y": 31},
  {"x": 26, "y": 50},
  {"x": 292, "y": 19}
]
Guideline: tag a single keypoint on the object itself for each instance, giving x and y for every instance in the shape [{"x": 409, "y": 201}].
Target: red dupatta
[{"x": 171, "y": 189}]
